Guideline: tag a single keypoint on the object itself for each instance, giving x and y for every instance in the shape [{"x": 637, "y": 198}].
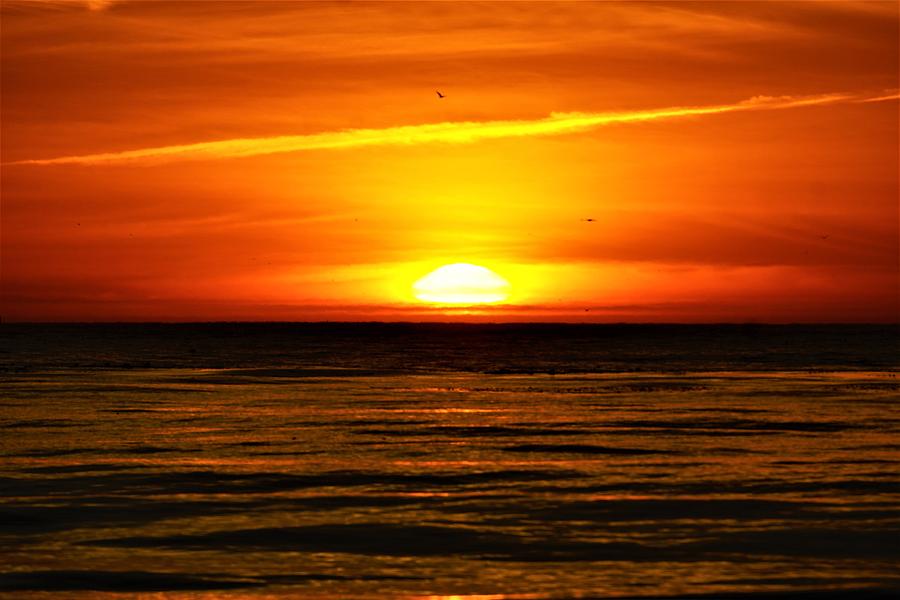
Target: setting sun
[
  {"x": 588, "y": 161},
  {"x": 459, "y": 291},
  {"x": 462, "y": 283}
]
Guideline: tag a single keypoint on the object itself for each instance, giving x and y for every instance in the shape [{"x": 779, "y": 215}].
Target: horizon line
[{"x": 464, "y": 322}]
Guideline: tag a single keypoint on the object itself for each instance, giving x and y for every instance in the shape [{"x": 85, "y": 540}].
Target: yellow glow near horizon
[{"x": 462, "y": 283}]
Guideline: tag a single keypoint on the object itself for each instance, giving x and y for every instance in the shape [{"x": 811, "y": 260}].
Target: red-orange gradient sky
[{"x": 291, "y": 161}]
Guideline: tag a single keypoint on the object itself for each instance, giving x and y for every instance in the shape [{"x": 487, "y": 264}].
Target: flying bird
[
  {"x": 588, "y": 220},
  {"x": 440, "y": 95}
]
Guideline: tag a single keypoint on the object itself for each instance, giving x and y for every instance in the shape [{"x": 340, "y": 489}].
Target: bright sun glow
[{"x": 461, "y": 283}]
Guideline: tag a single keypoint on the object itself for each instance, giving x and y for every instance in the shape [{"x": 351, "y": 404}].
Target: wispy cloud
[
  {"x": 96, "y": 5},
  {"x": 888, "y": 96},
  {"x": 464, "y": 132}
]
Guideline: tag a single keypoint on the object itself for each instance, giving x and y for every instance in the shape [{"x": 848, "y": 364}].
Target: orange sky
[{"x": 291, "y": 161}]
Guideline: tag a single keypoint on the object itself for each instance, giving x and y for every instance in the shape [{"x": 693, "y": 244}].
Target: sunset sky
[{"x": 644, "y": 161}]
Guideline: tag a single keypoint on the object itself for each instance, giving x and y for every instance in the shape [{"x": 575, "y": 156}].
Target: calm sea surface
[{"x": 448, "y": 461}]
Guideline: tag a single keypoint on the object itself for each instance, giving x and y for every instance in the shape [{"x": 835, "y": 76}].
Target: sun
[{"x": 462, "y": 283}]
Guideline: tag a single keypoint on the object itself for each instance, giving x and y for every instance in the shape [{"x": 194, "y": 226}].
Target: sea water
[{"x": 448, "y": 461}]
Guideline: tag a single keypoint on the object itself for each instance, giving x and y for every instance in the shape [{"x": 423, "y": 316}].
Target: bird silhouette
[
  {"x": 440, "y": 95},
  {"x": 588, "y": 220}
]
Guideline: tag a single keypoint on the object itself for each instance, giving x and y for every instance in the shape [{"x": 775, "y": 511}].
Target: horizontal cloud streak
[{"x": 448, "y": 132}]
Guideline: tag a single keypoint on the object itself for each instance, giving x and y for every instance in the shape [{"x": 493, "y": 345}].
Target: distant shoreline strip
[{"x": 463, "y": 132}]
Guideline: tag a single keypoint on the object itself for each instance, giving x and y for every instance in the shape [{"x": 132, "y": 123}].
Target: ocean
[{"x": 439, "y": 461}]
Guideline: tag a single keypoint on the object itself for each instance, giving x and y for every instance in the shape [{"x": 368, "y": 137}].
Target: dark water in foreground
[{"x": 429, "y": 461}]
